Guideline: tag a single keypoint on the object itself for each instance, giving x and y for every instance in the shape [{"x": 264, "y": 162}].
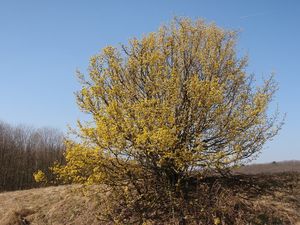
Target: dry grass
[
  {"x": 277, "y": 193},
  {"x": 51, "y": 205},
  {"x": 273, "y": 167}
]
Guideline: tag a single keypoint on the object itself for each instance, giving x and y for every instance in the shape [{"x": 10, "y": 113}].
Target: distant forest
[{"x": 23, "y": 151}]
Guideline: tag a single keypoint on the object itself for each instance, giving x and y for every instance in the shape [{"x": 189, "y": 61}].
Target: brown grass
[
  {"x": 269, "y": 168},
  {"x": 275, "y": 194},
  {"x": 51, "y": 205}
]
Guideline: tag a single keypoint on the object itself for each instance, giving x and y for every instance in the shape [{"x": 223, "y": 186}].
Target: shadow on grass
[{"x": 257, "y": 185}]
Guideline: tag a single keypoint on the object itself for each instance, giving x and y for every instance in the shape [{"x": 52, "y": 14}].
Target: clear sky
[{"x": 42, "y": 43}]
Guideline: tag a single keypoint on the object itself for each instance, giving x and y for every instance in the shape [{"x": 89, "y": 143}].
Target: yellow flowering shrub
[
  {"x": 164, "y": 107},
  {"x": 40, "y": 177}
]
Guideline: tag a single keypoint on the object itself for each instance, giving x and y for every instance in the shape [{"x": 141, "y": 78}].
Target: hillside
[
  {"x": 68, "y": 205},
  {"x": 51, "y": 205}
]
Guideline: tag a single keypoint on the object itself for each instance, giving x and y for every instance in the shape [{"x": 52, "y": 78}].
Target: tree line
[{"x": 23, "y": 151}]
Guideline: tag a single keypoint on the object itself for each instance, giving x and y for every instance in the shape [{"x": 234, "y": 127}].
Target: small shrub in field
[{"x": 40, "y": 177}]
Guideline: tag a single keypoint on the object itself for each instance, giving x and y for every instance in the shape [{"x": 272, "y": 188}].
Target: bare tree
[{"x": 24, "y": 150}]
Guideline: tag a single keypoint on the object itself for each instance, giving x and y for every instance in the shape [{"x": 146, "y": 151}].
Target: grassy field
[
  {"x": 277, "y": 188},
  {"x": 50, "y": 205},
  {"x": 269, "y": 168}
]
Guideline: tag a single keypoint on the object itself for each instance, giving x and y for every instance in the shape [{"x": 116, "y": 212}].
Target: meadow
[{"x": 276, "y": 193}]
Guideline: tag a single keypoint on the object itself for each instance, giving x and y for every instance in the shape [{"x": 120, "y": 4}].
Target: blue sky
[{"x": 42, "y": 43}]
